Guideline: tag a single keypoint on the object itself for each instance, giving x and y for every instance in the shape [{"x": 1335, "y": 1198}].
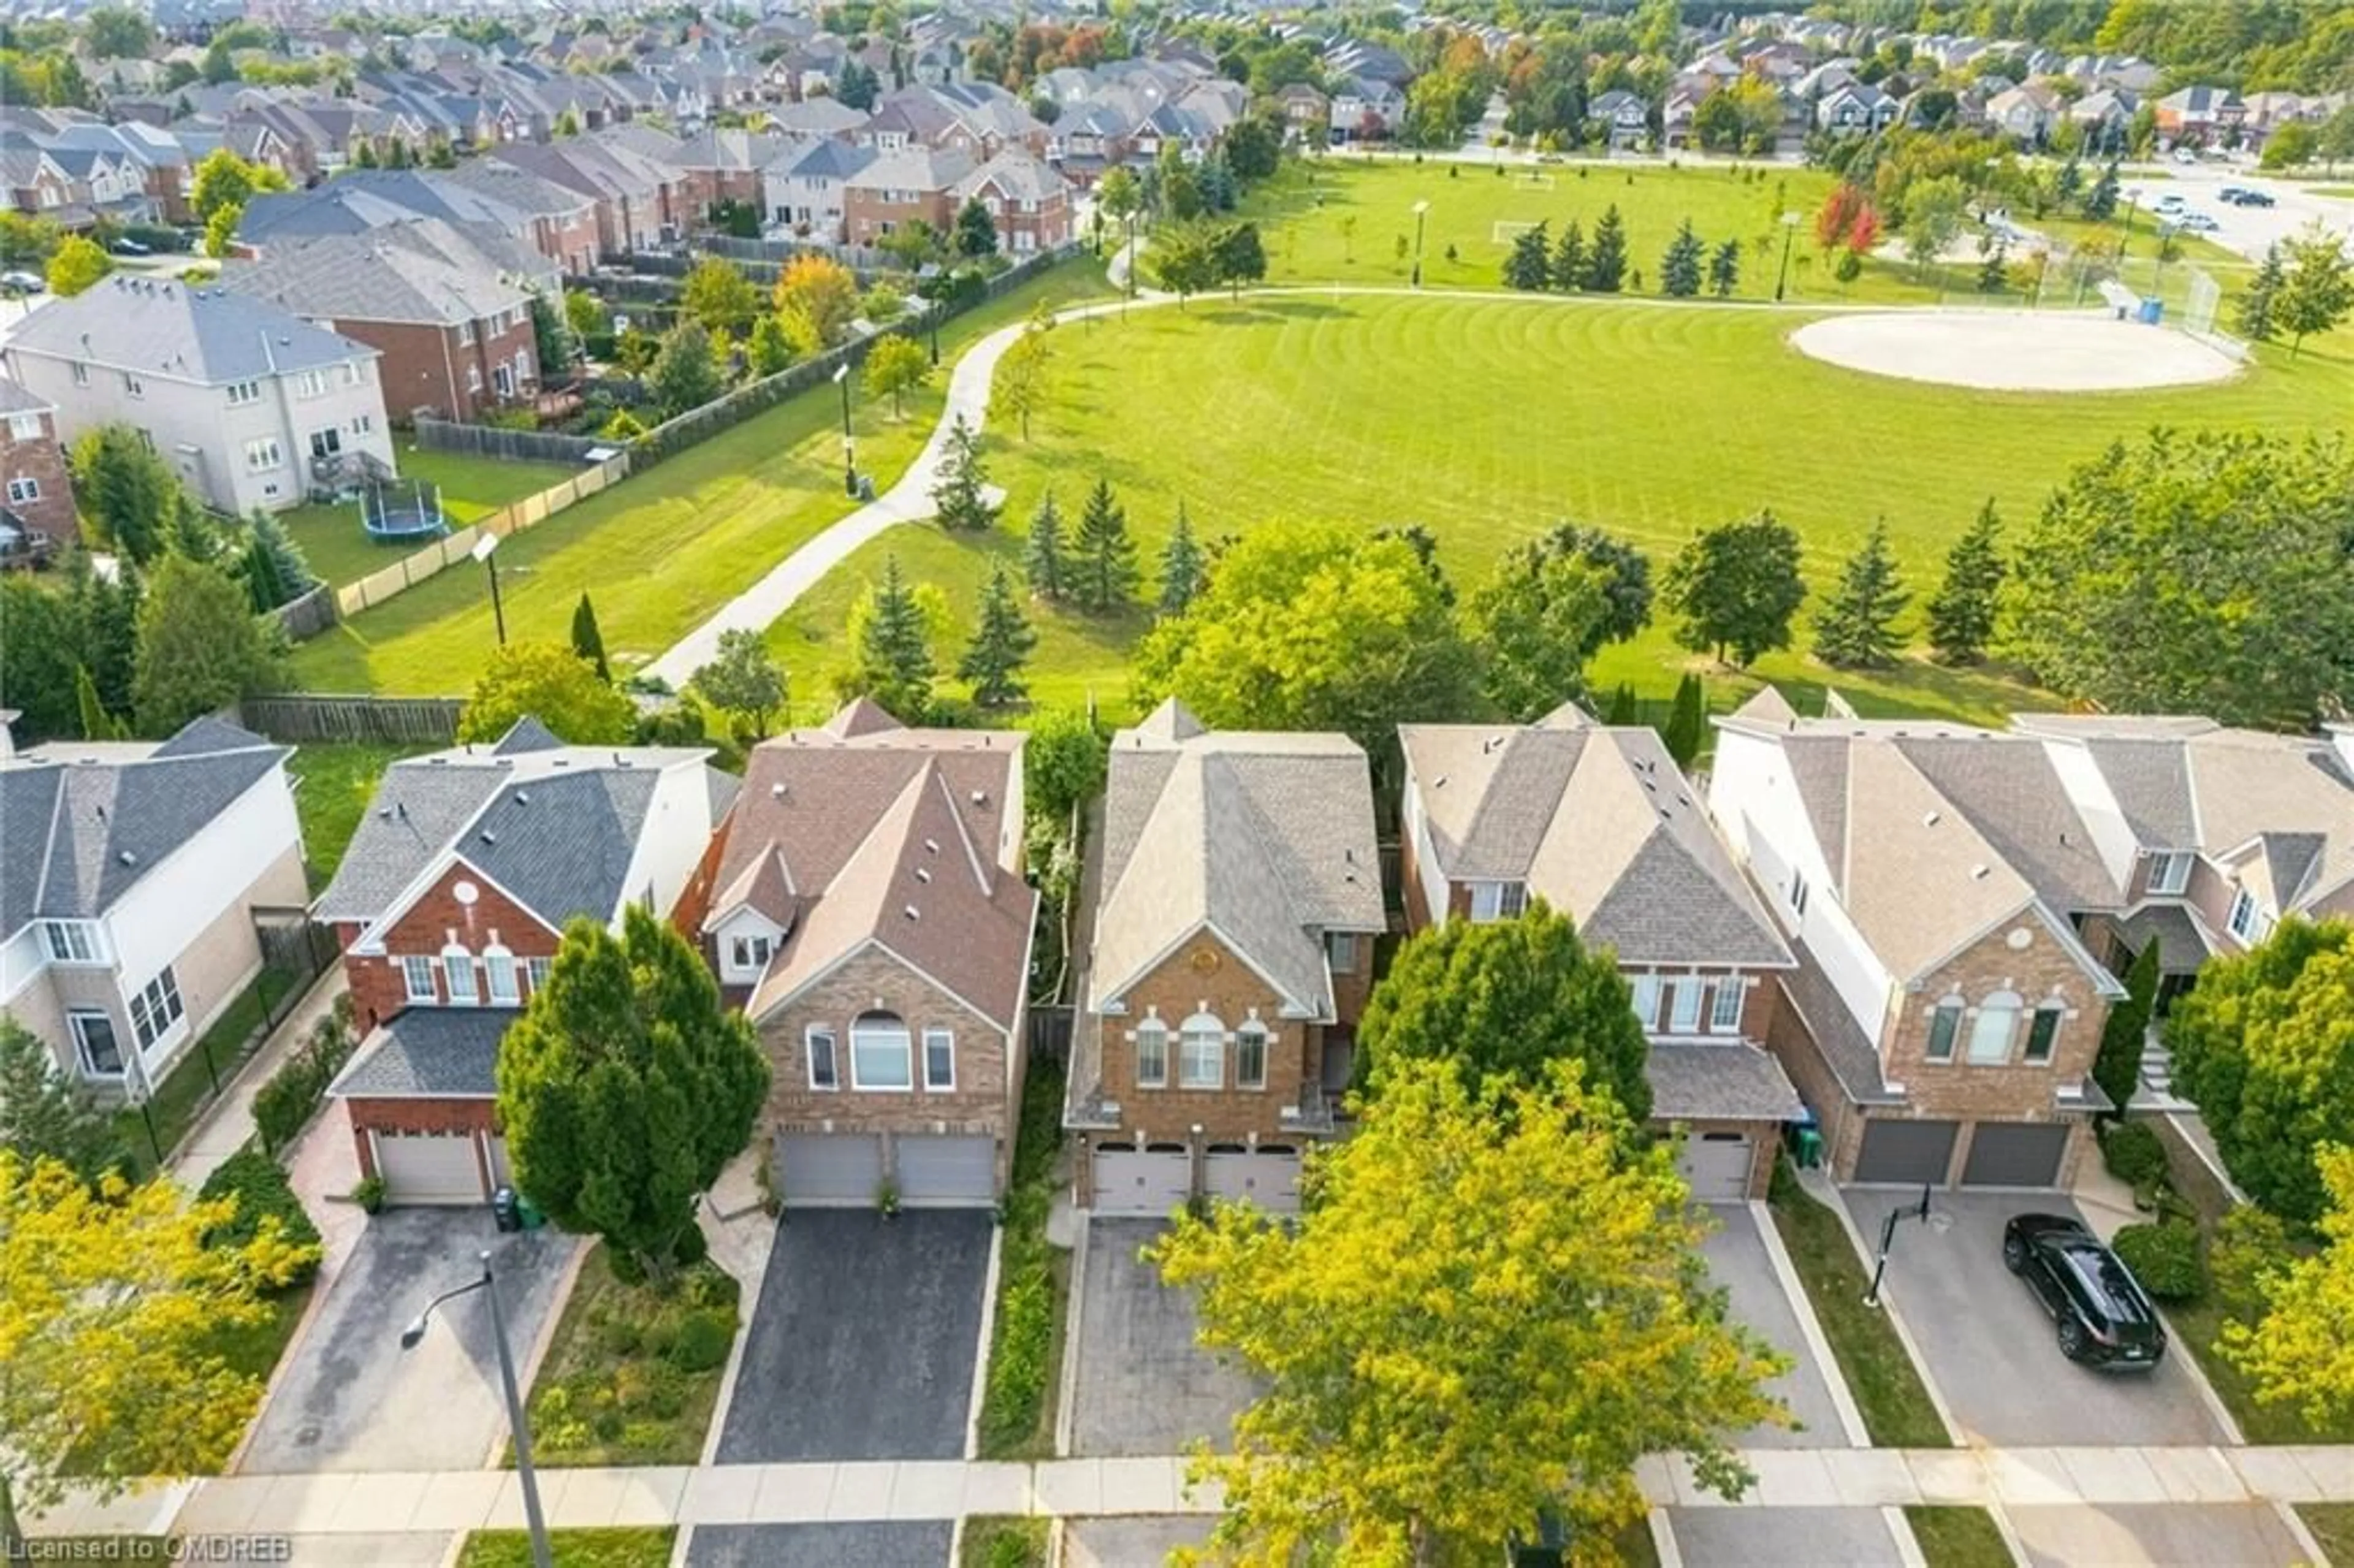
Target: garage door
[
  {"x": 947, "y": 1173},
  {"x": 501, "y": 1173},
  {"x": 1269, "y": 1176},
  {"x": 1716, "y": 1166},
  {"x": 830, "y": 1169},
  {"x": 1909, "y": 1152},
  {"x": 1150, "y": 1181},
  {"x": 429, "y": 1167},
  {"x": 2015, "y": 1154}
]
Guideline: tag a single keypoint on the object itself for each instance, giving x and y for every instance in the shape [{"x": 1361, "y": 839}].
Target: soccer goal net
[
  {"x": 2201, "y": 302},
  {"x": 1504, "y": 230}
]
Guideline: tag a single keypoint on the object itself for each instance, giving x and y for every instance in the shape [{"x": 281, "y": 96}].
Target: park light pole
[
  {"x": 934, "y": 310},
  {"x": 486, "y": 550},
  {"x": 1421, "y": 210},
  {"x": 517, "y": 1425},
  {"x": 1789, "y": 233},
  {"x": 849, "y": 442}
]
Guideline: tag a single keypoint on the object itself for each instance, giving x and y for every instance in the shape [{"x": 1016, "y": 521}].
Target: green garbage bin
[
  {"x": 1809, "y": 1153},
  {"x": 528, "y": 1212}
]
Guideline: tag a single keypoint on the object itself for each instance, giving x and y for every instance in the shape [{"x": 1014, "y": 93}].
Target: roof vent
[
  {"x": 777, "y": 791},
  {"x": 1439, "y": 782},
  {"x": 923, "y": 873},
  {"x": 910, "y": 913},
  {"x": 980, "y": 797},
  {"x": 1980, "y": 872},
  {"x": 1930, "y": 821},
  {"x": 931, "y": 846},
  {"x": 127, "y": 858},
  {"x": 488, "y": 837},
  {"x": 523, "y": 798}
]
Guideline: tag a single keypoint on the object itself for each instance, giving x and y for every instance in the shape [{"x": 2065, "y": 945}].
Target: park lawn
[
  {"x": 334, "y": 783},
  {"x": 1487, "y": 420},
  {"x": 647, "y": 1547},
  {"x": 472, "y": 488},
  {"x": 663, "y": 550},
  {"x": 1958, "y": 1536}
]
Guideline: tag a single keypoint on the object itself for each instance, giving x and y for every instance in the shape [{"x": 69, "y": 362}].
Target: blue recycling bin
[{"x": 2151, "y": 310}]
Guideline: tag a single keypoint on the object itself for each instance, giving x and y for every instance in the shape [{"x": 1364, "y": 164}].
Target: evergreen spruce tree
[
  {"x": 2255, "y": 312},
  {"x": 1623, "y": 709},
  {"x": 1528, "y": 267},
  {"x": 1687, "y": 720},
  {"x": 1605, "y": 259},
  {"x": 1724, "y": 270},
  {"x": 1961, "y": 612},
  {"x": 111, "y": 612},
  {"x": 1104, "y": 555},
  {"x": 1183, "y": 566},
  {"x": 588, "y": 642},
  {"x": 1000, "y": 646},
  {"x": 2101, "y": 201},
  {"x": 895, "y": 655},
  {"x": 1856, "y": 628},
  {"x": 1679, "y": 269},
  {"x": 259, "y": 567},
  {"x": 1042, "y": 561},
  {"x": 96, "y": 723},
  {"x": 2117, "y": 1066},
  {"x": 957, "y": 495},
  {"x": 293, "y": 566},
  {"x": 1569, "y": 258}
]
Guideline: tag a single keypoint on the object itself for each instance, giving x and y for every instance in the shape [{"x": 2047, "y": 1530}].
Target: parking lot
[
  {"x": 1737, "y": 1261},
  {"x": 1992, "y": 1350},
  {"x": 1143, "y": 1385}
]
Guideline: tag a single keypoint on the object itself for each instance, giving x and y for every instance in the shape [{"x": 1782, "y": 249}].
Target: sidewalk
[{"x": 225, "y": 1127}]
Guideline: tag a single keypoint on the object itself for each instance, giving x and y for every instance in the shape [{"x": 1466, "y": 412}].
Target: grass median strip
[
  {"x": 1888, "y": 1388},
  {"x": 1034, "y": 1288},
  {"x": 1958, "y": 1536},
  {"x": 1003, "y": 1541},
  {"x": 645, "y": 1548}
]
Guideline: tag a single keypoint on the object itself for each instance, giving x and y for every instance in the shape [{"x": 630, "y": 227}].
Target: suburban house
[
  {"x": 1233, "y": 897},
  {"x": 1598, "y": 821},
  {"x": 867, "y": 908},
  {"x": 899, "y": 189},
  {"x": 2201, "y": 116},
  {"x": 1029, "y": 202},
  {"x": 1305, "y": 108},
  {"x": 449, "y": 905},
  {"x": 39, "y": 497},
  {"x": 1623, "y": 116},
  {"x": 1945, "y": 1012},
  {"x": 1365, "y": 109},
  {"x": 451, "y": 319},
  {"x": 240, "y": 395},
  {"x": 2027, "y": 113},
  {"x": 136, "y": 881},
  {"x": 1855, "y": 108},
  {"x": 804, "y": 186}
]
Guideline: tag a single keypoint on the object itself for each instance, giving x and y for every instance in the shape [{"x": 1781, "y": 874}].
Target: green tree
[
  {"x": 1507, "y": 999},
  {"x": 770, "y": 350},
  {"x": 1735, "y": 588},
  {"x": 2318, "y": 291},
  {"x": 48, "y": 635},
  {"x": 975, "y": 232},
  {"x": 1623, "y": 710},
  {"x": 585, "y": 315},
  {"x": 1062, "y": 763},
  {"x": 1724, "y": 270},
  {"x": 2100, "y": 202},
  {"x": 588, "y": 642},
  {"x": 1241, "y": 258},
  {"x": 685, "y": 373},
  {"x": 960, "y": 495},
  {"x": 2117, "y": 1068},
  {"x": 266, "y": 532},
  {"x": 2261, "y": 1045},
  {"x": 1534, "y": 622},
  {"x": 1856, "y": 627},
  {"x": 1002, "y": 644},
  {"x": 128, "y": 490},
  {"x": 1528, "y": 264},
  {"x": 265, "y": 590},
  {"x": 1042, "y": 559},
  {"x": 1687, "y": 720},
  {"x": 1933, "y": 217},
  {"x": 893, "y": 647},
  {"x": 1519, "y": 1313},
  {"x": 1118, "y": 195},
  {"x": 1103, "y": 555},
  {"x": 895, "y": 367},
  {"x": 1184, "y": 258},
  {"x": 2292, "y": 145},
  {"x": 97, "y": 724},
  {"x": 717, "y": 294},
  {"x": 1994, "y": 270},
  {"x": 118, "y": 33},
  {"x": 1568, "y": 268},
  {"x": 2301, "y": 1351},
  {"x": 46, "y": 1115},
  {"x": 1019, "y": 389},
  {"x": 201, "y": 646},
  {"x": 551, "y": 336},
  {"x": 1962, "y": 610},
  {"x": 817, "y": 298},
  {"x": 1680, "y": 266},
  {"x": 1184, "y": 570},
  {"x": 624, "y": 1088},
  {"x": 1605, "y": 257},
  {"x": 2240, "y": 538},
  {"x": 552, "y": 684},
  {"x": 77, "y": 265},
  {"x": 743, "y": 678},
  {"x": 2252, "y": 315},
  {"x": 1314, "y": 626}
]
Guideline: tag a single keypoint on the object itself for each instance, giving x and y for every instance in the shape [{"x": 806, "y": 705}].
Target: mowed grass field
[
  {"x": 471, "y": 488},
  {"x": 1489, "y": 420},
  {"x": 662, "y": 551}
]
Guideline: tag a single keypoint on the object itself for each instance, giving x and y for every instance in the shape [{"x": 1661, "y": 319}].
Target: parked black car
[{"x": 2106, "y": 1320}]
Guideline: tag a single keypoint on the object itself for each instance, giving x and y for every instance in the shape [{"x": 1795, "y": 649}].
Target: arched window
[
  {"x": 1992, "y": 1032},
  {"x": 1250, "y": 1055},
  {"x": 499, "y": 977},
  {"x": 1945, "y": 1028},
  {"x": 1152, "y": 1054},
  {"x": 1202, "y": 1053},
  {"x": 881, "y": 1056},
  {"x": 458, "y": 971}
]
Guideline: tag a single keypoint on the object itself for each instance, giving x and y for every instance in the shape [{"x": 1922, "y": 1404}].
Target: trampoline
[{"x": 395, "y": 514}]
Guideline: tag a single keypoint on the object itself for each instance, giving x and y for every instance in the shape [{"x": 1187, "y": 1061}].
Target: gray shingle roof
[
  {"x": 1730, "y": 1082},
  {"x": 1853, "y": 1056},
  {"x": 2182, "y": 946},
  {"x": 14, "y": 399},
  {"x": 2013, "y": 796},
  {"x": 207, "y": 735},
  {"x": 562, "y": 845},
  {"x": 441, "y": 1052},
  {"x": 422, "y": 270},
  {"x": 418, "y": 807},
  {"x": 210, "y": 336}
]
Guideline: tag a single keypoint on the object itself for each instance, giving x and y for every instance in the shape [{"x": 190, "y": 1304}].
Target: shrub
[
  {"x": 703, "y": 1342},
  {"x": 2165, "y": 1258},
  {"x": 284, "y": 1105},
  {"x": 2250, "y": 1244},
  {"x": 2132, "y": 1153},
  {"x": 260, "y": 1188},
  {"x": 1017, "y": 1371},
  {"x": 368, "y": 1193}
]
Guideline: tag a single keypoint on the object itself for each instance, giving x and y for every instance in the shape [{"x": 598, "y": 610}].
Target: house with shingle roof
[
  {"x": 1598, "y": 822},
  {"x": 449, "y": 905},
  {"x": 1027, "y": 200},
  {"x": 136, "y": 879},
  {"x": 867, "y": 906},
  {"x": 1232, "y": 899}
]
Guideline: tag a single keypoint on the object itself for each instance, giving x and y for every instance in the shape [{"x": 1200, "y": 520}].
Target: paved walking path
[{"x": 227, "y": 1127}]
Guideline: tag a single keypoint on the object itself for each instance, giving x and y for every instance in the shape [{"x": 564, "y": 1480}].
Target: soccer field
[{"x": 1489, "y": 420}]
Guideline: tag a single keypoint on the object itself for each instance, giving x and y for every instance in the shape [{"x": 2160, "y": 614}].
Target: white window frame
[
  {"x": 2170, "y": 872},
  {"x": 503, "y": 379},
  {"x": 1154, "y": 1035},
  {"x": 499, "y": 962},
  {"x": 1683, "y": 1004},
  {"x": 24, "y": 488},
  {"x": 76, "y": 1017},
  {"x": 241, "y": 393},
  {"x": 1646, "y": 1000},
  {"x": 326, "y": 442},
  {"x": 536, "y": 969},
  {"x": 1340, "y": 951},
  {"x": 474, "y": 378},
  {"x": 1954, "y": 1009},
  {"x": 2006, "y": 1007},
  {"x": 24, "y": 427},
  {"x": 457, "y": 963},
  {"x": 466, "y": 332},
  {"x": 748, "y": 954},
  {"x": 311, "y": 384},
  {"x": 943, "y": 1040},
  {"x": 2058, "y": 1014},
  {"x": 858, "y": 1079},
  {"x": 1202, "y": 1029},
  {"x": 70, "y": 942},
  {"x": 1725, "y": 1005},
  {"x": 820, "y": 1042},
  {"x": 263, "y": 454},
  {"x": 156, "y": 1010},
  {"x": 2243, "y": 920},
  {"x": 1487, "y": 902},
  {"x": 414, "y": 965},
  {"x": 1251, "y": 1036}
]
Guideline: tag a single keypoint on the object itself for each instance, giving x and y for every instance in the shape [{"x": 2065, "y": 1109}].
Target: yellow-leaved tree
[
  {"x": 2302, "y": 1350},
  {"x": 1488, "y": 1311},
  {"x": 111, "y": 1305}
]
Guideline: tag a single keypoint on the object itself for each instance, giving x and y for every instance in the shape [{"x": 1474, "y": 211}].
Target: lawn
[
  {"x": 471, "y": 487},
  {"x": 662, "y": 551},
  {"x": 1489, "y": 420},
  {"x": 1003, "y": 1541},
  {"x": 646, "y": 1547},
  {"x": 1958, "y": 1536},
  {"x": 2333, "y": 1528},
  {"x": 254, "y": 1352},
  {"x": 2197, "y": 1325},
  {"x": 1017, "y": 1411},
  {"x": 333, "y": 785},
  {"x": 1880, "y": 1373},
  {"x": 633, "y": 1374}
]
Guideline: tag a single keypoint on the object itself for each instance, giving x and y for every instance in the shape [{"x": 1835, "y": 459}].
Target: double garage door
[
  {"x": 430, "y": 1166},
  {"x": 2001, "y": 1153},
  {"x": 845, "y": 1171},
  {"x": 1159, "y": 1177}
]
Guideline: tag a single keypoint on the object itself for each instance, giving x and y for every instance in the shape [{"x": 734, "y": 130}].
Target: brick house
[
  {"x": 1945, "y": 1012},
  {"x": 1598, "y": 822},
  {"x": 39, "y": 497},
  {"x": 1027, "y": 200},
  {"x": 899, "y": 189},
  {"x": 449, "y": 905},
  {"x": 1233, "y": 897},
  {"x": 868, "y": 908}
]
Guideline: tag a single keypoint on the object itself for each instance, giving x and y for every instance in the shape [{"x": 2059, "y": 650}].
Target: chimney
[{"x": 2341, "y": 741}]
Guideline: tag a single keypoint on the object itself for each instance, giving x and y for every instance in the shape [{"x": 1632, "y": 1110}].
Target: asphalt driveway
[
  {"x": 1783, "y": 1538},
  {"x": 1129, "y": 1542},
  {"x": 1143, "y": 1385},
  {"x": 1739, "y": 1264},
  {"x": 1992, "y": 1350},
  {"x": 2244, "y": 1535},
  {"x": 862, "y": 1343},
  {"x": 351, "y": 1399},
  {"x": 880, "y": 1545}
]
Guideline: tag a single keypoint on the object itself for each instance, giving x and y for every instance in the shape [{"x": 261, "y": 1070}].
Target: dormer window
[
  {"x": 2246, "y": 921},
  {"x": 2170, "y": 872}
]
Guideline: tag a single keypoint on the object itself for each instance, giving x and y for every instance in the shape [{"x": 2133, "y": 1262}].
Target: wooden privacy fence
[
  {"x": 386, "y": 721},
  {"x": 450, "y": 549},
  {"x": 310, "y": 615},
  {"x": 515, "y": 446}
]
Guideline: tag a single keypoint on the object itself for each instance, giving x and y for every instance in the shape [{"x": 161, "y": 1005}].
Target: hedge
[
  {"x": 260, "y": 1189},
  {"x": 2165, "y": 1258},
  {"x": 2133, "y": 1153},
  {"x": 284, "y": 1105}
]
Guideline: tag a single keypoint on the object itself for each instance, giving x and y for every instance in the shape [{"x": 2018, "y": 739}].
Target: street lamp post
[
  {"x": 1789, "y": 233},
  {"x": 849, "y": 442},
  {"x": 486, "y": 550},
  {"x": 534, "y": 1522},
  {"x": 1421, "y": 210}
]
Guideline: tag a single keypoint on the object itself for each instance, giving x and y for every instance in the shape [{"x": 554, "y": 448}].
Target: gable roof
[
  {"x": 413, "y": 269},
  {"x": 213, "y": 337},
  {"x": 440, "y": 1052}
]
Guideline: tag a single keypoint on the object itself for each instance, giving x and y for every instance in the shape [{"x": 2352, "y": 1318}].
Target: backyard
[
  {"x": 471, "y": 488},
  {"x": 334, "y": 782}
]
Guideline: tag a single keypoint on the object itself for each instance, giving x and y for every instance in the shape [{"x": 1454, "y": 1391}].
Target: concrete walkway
[{"x": 227, "y": 1127}]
